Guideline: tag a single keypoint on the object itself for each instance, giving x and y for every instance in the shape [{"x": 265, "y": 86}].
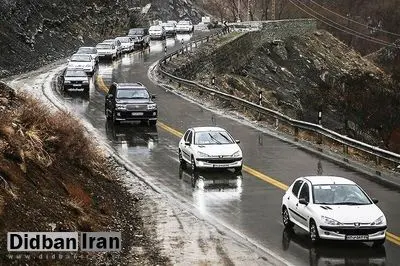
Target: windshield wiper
[
  {"x": 349, "y": 203},
  {"x": 229, "y": 141},
  {"x": 217, "y": 141}
]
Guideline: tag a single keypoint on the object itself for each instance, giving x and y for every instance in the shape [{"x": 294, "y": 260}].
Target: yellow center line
[{"x": 391, "y": 237}]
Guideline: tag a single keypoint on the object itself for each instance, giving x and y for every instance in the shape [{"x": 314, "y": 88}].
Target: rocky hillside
[
  {"x": 300, "y": 75},
  {"x": 35, "y": 32},
  {"x": 388, "y": 58}
]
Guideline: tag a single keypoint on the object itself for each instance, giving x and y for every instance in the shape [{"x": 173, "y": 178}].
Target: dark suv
[
  {"x": 130, "y": 101},
  {"x": 141, "y": 37}
]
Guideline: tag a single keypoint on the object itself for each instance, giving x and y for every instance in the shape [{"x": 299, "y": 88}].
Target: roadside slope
[{"x": 53, "y": 178}]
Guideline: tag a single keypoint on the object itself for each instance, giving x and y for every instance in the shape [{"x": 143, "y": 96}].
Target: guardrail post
[
  {"x": 319, "y": 117},
  {"x": 195, "y": 44},
  {"x": 165, "y": 49},
  {"x": 260, "y": 98},
  {"x": 296, "y": 133},
  {"x": 377, "y": 160},
  {"x": 213, "y": 81},
  {"x": 345, "y": 149},
  {"x": 208, "y": 38}
]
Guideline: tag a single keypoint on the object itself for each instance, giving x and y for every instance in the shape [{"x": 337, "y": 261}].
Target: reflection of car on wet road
[
  {"x": 130, "y": 101},
  {"x": 212, "y": 180},
  {"x": 333, "y": 254},
  {"x": 75, "y": 79},
  {"x": 210, "y": 147},
  {"x": 138, "y": 135},
  {"x": 334, "y": 208}
]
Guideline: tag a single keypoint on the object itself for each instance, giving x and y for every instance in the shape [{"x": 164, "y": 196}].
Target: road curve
[{"x": 248, "y": 202}]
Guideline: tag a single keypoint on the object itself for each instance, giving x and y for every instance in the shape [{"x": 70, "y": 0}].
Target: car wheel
[
  {"x": 378, "y": 243},
  {"x": 180, "y": 157},
  {"x": 238, "y": 169},
  {"x": 286, "y": 219},
  {"x": 193, "y": 164},
  {"x": 114, "y": 118},
  {"x": 313, "y": 232},
  {"x": 152, "y": 122}
]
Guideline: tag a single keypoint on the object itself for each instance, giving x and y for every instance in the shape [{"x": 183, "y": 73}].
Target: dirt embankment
[
  {"x": 53, "y": 178},
  {"x": 300, "y": 76}
]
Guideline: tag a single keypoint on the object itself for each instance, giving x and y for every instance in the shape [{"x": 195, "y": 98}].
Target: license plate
[
  {"x": 76, "y": 85},
  {"x": 137, "y": 113},
  {"x": 219, "y": 165},
  {"x": 357, "y": 237}
]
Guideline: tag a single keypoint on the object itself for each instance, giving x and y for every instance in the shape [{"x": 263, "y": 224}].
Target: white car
[
  {"x": 210, "y": 147},
  {"x": 184, "y": 26},
  {"x": 170, "y": 29},
  {"x": 117, "y": 45},
  {"x": 157, "y": 32},
  {"x": 126, "y": 43},
  {"x": 89, "y": 50},
  {"x": 334, "y": 208},
  {"x": 107, "y": 50},
  {"x": 82, "y": 61}
]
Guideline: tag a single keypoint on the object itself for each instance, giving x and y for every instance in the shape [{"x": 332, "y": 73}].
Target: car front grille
[
  {"x": 353, "y": 230},
  {"x": 219, "y": 160},
  {"x": 136, "y": 107}
]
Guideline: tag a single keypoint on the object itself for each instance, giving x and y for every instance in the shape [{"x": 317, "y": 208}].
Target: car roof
[
  {"x": 132, "y": 85},
  {"x": 200, "y": 129},
  {"x": 326, "y": 180},
  {"x": 87, "y": 47}
]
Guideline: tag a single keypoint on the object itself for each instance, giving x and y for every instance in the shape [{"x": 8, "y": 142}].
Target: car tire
[
  {"x": 286, "y": 219},
  {"x": 180, "y": 157},
  {"x": 379, "y": 243},
  {"x": 193, "y": 164},
  {"x": 238, "y": 169},
  {"x": 314, "y": 237},
  {"x": 152, "y": 123},
  {"x": 114, "y": 118}
]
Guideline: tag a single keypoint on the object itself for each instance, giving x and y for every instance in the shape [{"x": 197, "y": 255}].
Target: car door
[
  {"x": 292, "y": 200},
  {"x": 303, "y": 210},
  {"x": 187, "y": 149}
]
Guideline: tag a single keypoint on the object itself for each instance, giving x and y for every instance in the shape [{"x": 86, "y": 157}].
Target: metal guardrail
[{"x": 379, "y": 154}]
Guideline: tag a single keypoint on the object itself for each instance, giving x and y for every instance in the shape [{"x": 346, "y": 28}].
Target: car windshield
[
  {"x": 132, "y": 94},
  {"x": 184, "y": 22},
  {"x": 124, "y": 39},
  {"x": 104, "y": 46},
  {"x": 156, "y": 28},
  {"x": 80, "y": 58},
  {"x": 336, "y": 194},
  {"x": 212, "y": 138},
  {"x": 75, "y": 73},
  {"x": 87, "y": 51},
  {"x": 136, "y": 32}
]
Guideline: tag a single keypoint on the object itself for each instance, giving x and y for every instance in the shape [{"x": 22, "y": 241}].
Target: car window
[
  {"x": 80, "y": 58},
  {"x": 296, "y": 187},
  {"x": 305, "y": 192},
  {"x": 190, "y": 137},
  {"x": 340, "y": 194},
  {"x": 213, "y": 138},
  {"x": 133, "y": 94},
  {"x": 186, "y": 135},
  {"x": 75, "y": 73}
]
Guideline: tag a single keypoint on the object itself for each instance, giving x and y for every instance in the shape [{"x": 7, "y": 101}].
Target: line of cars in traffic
[{"x": 326, "y": 207}]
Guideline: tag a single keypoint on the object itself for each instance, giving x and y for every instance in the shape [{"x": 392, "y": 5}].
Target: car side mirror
[
  {"x": 69, "y": 60},
  {"x": 153, "y": 96},
  {"x": 237, "y": 141},
  {"x": 303, "y": 201},
  {"x": 375, "y": 201},
  {"x": 187, "y": 143}
]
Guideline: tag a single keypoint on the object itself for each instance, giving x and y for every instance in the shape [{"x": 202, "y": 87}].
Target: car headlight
[
  {"x": 329, "y": 221},
  {"x": 120, "y": 106},
  {"x": 236, "y": 154},
  {"x": 151, "y": 106},
  {"x": 379, "y": 221},
  {"x": 85, "y": 81},
  {"x": 202, "y": 154},
  {"x": 67, "y": 82}
]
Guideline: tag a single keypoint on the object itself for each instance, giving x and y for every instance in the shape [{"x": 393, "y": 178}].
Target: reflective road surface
[{"x": 248, "y": 202}]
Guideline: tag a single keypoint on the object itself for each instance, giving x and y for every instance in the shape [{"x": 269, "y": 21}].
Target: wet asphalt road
[{"x": 242, "y": 201}]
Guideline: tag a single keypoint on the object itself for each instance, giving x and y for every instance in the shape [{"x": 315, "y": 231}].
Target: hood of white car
[
  {"x": 217, "y": 150},
  {"x": 79, "y": 64},
  {"x": 350, "y": 213}
]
